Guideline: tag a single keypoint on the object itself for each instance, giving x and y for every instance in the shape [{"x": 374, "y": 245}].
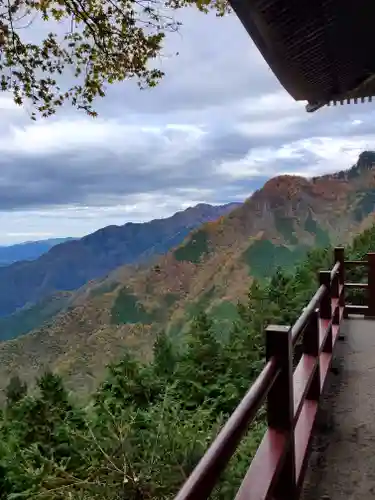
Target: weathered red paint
[
  {"x": 302, "y": 379},
  {"x": 259, "y": 479},
  {"x": 303, "y": 433}
]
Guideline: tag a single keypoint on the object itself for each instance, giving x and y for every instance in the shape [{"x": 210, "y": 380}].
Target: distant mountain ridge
[
  {"x": 28, "y": 250},
  {"x": 211, "y": 269},
  {"x": 70, "y": 265}
]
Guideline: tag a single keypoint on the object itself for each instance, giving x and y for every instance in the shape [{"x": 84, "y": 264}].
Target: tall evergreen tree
[
  {"x": 15, "y": 390},
  {"x": 165, "y": 357}
]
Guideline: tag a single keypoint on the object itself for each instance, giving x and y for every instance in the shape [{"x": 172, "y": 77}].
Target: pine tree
[
  {"x": 52, "y": 391},
  {"x": 15, "y": 390},
  {"x": 129, "y": 383},
  {"x": 165, "y": 357},
  {"x": 198, "y": 372}
]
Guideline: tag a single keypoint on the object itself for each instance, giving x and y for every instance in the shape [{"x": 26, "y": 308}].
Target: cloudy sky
[{"x": 214, "y": 130}]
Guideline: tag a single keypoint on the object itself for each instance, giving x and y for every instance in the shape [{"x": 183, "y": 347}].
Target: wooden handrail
[
  {"x": 204, "y": 477},
  {"x": 299, "y": 325},
  {"x": 335, "y": 270},
  {"x": 278, "y": 467}
]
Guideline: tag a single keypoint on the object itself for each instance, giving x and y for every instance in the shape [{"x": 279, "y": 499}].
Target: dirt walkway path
[{"x": 342, "y": 464}]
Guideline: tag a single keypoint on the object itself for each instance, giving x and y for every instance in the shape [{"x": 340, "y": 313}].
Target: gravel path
[{"x": 342, "y": 463}]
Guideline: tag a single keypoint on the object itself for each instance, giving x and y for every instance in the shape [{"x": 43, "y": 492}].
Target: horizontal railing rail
[
  {"x": 292, "y": 396},
  {"x": 204, "y": 477},
  {"x": 355, "y": 263},
  {"x": 356, "y": 285}
]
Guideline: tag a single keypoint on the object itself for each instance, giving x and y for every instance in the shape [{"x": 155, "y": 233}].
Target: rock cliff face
[{"x": 211, "y": 269}]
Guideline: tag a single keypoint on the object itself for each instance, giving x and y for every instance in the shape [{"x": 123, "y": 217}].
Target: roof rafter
[{"x": 321, "y": 51}]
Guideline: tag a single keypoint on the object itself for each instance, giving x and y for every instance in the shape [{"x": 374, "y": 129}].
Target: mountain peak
[
  {"x": 364, "y": 164},
  {"x": 366, "y": 160},
  {"x": 285, "y": 184},
  {"x": 277, "y": 191}
]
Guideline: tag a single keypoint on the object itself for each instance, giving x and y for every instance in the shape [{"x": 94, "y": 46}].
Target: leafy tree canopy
[{"x": 86, "y": 45}]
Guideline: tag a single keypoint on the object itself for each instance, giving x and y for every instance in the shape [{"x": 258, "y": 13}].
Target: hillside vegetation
[
  {"x": 33, "y": 315},
  {"x": 148, "y": 424}
]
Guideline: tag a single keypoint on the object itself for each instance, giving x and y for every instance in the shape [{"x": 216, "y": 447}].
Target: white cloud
[
  {"x": 81, "y": 220},
  {"x": 272, "y": 103},
  {"x": 49, "y": 137},
  {"x": 269, "y": 127},
  {"x": 328, "y": 154},
  {"x": 88, "y": 135},
  {"x": 8, "y": 104}
]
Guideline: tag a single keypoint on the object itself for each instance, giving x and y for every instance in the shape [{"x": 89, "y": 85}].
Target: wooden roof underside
[{"x": 321, "y": 51}]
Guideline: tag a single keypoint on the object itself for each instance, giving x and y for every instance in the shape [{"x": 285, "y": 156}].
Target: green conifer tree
[
  {"x": 15, "y": 390},
  {"x": 165, "y": 357}
]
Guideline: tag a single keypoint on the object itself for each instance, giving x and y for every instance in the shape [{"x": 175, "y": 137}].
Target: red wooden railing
[{"x": 292, "y": 397}]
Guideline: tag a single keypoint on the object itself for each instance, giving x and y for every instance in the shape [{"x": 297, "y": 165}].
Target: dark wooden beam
[{"x": 321, "y": 51}]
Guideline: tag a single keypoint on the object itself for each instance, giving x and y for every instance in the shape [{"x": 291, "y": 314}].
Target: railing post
[
  {"x": 280, "y": 405},
  {"x": 335, "y": 286},
  {"x": 311, "y": 347},
  {"x": 371, "y": 284},
  {"x": 325, "y": 309},
  {"x": 340, "y": 257},
  {"x": 335, "y": 294},
  {"x": 339, "y": 254},
  {"x": 325, "y": 304}
]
